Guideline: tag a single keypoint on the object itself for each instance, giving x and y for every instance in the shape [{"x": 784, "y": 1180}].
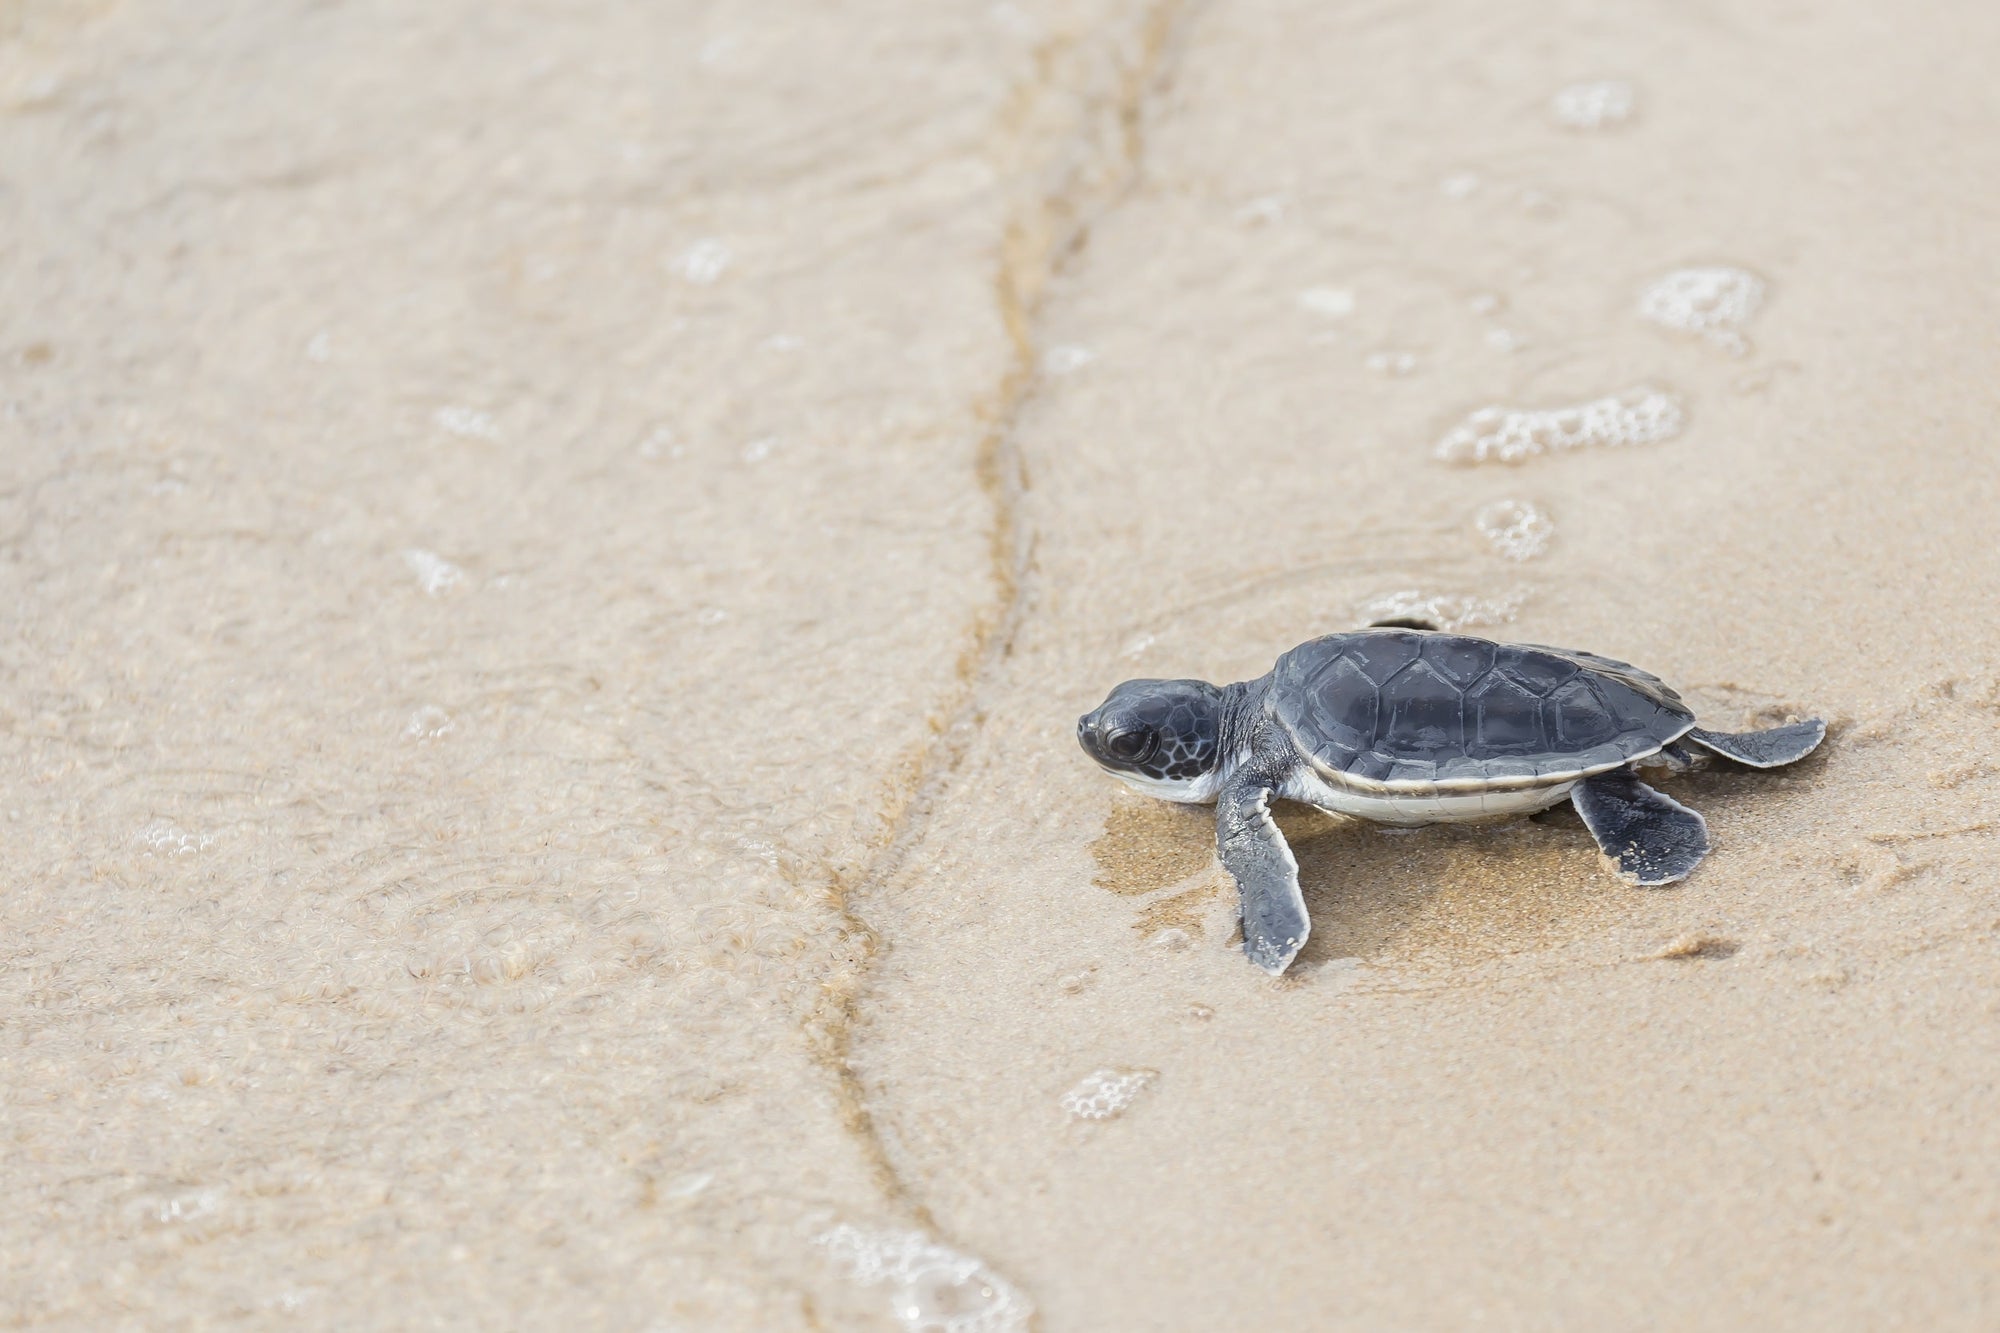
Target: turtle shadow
[{"x": 1447, "y": 894}]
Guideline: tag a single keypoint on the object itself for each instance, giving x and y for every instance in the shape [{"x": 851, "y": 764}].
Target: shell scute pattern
[
  {"x": 1417, "y": 710},
  {"x": 1506, "y": 717},
  {"x": 1346, "y": 703}
]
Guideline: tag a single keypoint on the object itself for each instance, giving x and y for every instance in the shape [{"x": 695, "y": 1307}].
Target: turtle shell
[{"x": 1420, "y": 711}]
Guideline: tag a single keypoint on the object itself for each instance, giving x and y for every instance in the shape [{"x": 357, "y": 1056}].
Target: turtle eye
[{"x": 1129, "y": 747}]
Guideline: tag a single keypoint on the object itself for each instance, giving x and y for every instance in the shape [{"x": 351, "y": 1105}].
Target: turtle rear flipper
[
  {"x": 1763, "y": 749},
  {"x": 1655, "y": 839}
]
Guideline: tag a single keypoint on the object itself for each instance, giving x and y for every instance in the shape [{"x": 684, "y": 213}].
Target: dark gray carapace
[{"x": 1408, "y": 725}]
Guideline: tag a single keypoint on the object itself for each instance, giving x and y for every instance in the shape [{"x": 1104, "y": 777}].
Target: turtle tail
[{"x": 1763, "y": 749}]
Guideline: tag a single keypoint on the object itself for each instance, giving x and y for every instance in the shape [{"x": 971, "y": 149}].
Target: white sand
[{"x": 556, "y": 551}]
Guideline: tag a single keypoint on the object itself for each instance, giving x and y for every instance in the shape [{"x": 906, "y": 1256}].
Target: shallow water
[{"x": 557, "y": 554}]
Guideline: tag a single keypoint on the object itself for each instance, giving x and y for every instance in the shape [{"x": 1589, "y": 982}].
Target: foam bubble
[
  {"x": 660, "y": 442},
  {"x": 1517, "y": 529},
  {"x": 466, "y": 422},
  {"x": 437, "y": 574},
  {"x": 1511, "y": 434},
  {"x": 933, "y": 1289},
  {"x": 704, "y": 261},
  {"x": 164, "y": 839},
  {"x": 1391, "y": 363},
  {"x": 175, "y": 1205},
  {"x": 1067, "y": 359},
  {"x": 1445, "y": 610},
  {"x": 1595, "y": 105},
  {"x": 1329, "y": 302},
  {"x": 1262, "y": 211},
  {"x": 1460, "y": 185},
  {"x": 1015, "y": 20},
  {"x": 718, "y": 49},
  {"x": 1104, "y": 1094},
  {"x": 1714, "y": 302},
  {"x": 427, "y": 723},
  {"x": 689, "y": 1185}
]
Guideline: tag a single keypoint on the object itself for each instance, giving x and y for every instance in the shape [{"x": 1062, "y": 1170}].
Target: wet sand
[{"x": 556, "y": 553}]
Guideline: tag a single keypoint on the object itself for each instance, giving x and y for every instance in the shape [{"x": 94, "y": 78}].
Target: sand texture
[{"x": 552, "y": 554}]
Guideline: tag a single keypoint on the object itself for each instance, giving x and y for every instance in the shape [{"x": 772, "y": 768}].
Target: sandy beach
[{"x": 554, "y": 553}]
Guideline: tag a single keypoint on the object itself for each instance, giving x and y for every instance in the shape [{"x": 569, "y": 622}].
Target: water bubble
[
  {"x": 319, "y": 347},
  {"x": 1015, "y": 20},
  {"x": 1445, "y": 610},
  {"x": 1329, "y": 302},
  {"x": 1262, "y": 211},
  {"x": 1104, "y": 1094},
  {"x": 1484, "y": 303},
  {"x": 1593, "y": 106},
  {"x": 437, "y": 574},
  {"x": 704, "y": 261},
  {"x": 1067, "y": 359},
  {"x": 1459, "y": 185},
  {"x": 687, "y": 1186},
  {"x": 1517, "y": 529},
  {"x": 1713, "y": 302},
  {"x": 759, "y": 449},
  {"x": 710, "y": 615},
  {"x": 660, "y": 441},
  {"x": 176, "y": 1205},
  {"x": 933, "y": 1289},
  {"x": 164, "y": 839},
  {"x": 466, "y": 422},
  {"x": 1504, "y": 340},
  {"x": 1511, "y": 434},
  {"x": 1173, "y": 939},
  {"x": 1540, "y": 203},
  {"x": 427, "y": 723},
  {"x": 1391, "y": 363}
]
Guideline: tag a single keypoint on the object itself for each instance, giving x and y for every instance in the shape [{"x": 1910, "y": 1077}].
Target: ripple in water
[
  {"x": 1513, "y": 434},
  {"x": 1104, "y": 1094},
  {"x": 1714, "y": 303},
  {"x": 932, "y": 1289},
  {"x": 1516, "y": 529}
]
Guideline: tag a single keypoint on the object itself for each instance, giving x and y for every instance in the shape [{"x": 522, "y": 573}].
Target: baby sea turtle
[{"x": 1414, "y": 726}]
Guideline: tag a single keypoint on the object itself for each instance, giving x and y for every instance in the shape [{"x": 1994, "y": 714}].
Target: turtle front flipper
[
  {"x": 1654, "y": 838},
  {"x": 1764, "y": 749},
  {"x": 1255, "y": 854}
]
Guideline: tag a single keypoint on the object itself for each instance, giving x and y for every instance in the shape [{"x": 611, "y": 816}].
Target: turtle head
[{"x": 1161, "y": 736}]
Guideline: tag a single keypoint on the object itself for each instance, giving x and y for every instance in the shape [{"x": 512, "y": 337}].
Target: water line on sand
[{"x": 1083, "y": 169}]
